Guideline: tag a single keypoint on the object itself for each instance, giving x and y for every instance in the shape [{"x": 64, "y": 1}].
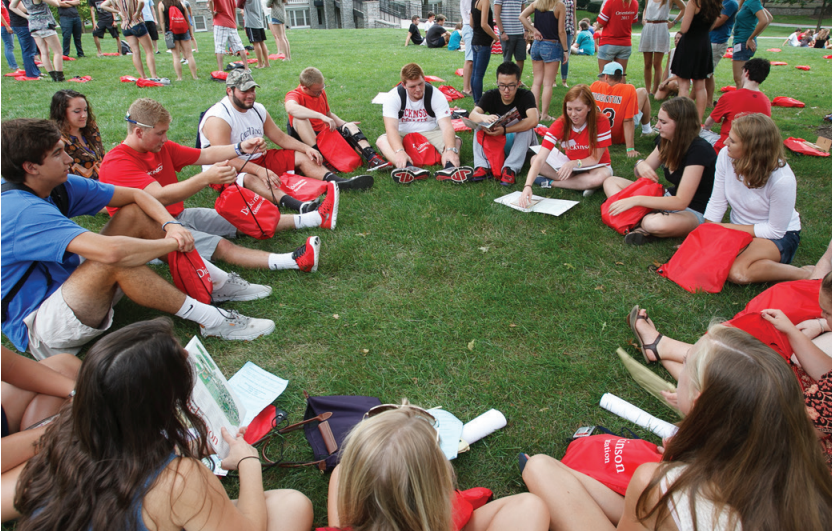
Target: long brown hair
[
  {"x": 709, "y": 9},
  {"x": 129, "y": 414},
  {"x": 586, "y": 95},
  {"x": 58, "y": 114},
  {"x": 684, "y": 114},
  {"x": 747, "y": 442},
  {"x": 763, "y": 152}
]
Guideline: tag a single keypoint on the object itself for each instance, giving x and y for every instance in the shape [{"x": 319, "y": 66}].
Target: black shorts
[
  {"x": 152, "y": 31},
  {"x": 100, "y": 30},
  {"x": 256, "y": 35}
]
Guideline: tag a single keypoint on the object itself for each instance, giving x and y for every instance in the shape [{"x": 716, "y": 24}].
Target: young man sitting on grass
[
  {"x": 309, "y": 114},
  {"x": 625, "y": 106},
  {"x": 147, "y": 160},
  {"x": 238, "y": 117},
  {"x": 52, "y": 302}
]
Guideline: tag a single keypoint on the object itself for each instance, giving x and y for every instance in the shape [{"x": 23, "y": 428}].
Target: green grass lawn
[{"x": 434, "y": 292}]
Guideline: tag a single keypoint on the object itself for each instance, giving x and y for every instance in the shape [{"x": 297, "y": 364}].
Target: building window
[
  {"x": 199, "y": 23},
  {"x": 298, "y": 18}
]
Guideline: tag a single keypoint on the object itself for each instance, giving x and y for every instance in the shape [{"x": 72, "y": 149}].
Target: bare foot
[
  {"x": 99, "y": 54},
  {"x": 648, "y": 333},
  {"x": 564, "y": 84}
]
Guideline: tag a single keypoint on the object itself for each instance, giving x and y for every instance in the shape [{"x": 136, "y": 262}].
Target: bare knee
[
  {"x": 537, "y": 469},
  {"x": 653, "y": 223},
  {"x": 739, "y": 274},
  {"x": 288, "y": 510},
  {"x": 223, "y": 250}
]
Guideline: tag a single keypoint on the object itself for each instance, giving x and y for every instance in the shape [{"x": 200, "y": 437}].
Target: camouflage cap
[{"x": 241, "y": 80}]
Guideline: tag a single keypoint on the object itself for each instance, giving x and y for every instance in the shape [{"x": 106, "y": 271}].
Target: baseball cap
[
  {"x": 241, "y": 80},
  {"x": 610, "y": 69}
]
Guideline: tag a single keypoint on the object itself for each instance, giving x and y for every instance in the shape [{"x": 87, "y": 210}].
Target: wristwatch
[{"x": 452, "y": 149}]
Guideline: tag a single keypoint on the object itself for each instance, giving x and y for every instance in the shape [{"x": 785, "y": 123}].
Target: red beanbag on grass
[
  {"x": 434, "y": 79},
  {"x": 728, "y": 88},
  {"x": 784, "y": 101},
  {"x": 778, "y": 63},
  {"x": 128, "y": 79},
  {"x": 803, "y": 67}
]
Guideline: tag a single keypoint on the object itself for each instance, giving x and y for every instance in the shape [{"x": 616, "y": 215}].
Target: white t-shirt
[
  {"x": 416, "y": 119},
  {"x": 794, "y": 40},
  {"x": 465, "y": 12},
  {"x": 243, "y": 124},
  {"x": 771, "y": 209}
]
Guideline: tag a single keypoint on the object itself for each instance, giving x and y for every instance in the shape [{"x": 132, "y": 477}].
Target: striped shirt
[
  {"x": 577, "y": 145},
  {"x": 510, "y": 16}
]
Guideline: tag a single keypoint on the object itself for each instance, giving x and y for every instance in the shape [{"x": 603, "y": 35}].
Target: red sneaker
[
  {"x": 480, "y": 174},
  {"x": 306, "y": 256},
  {"x": 329, "y": 208},
  {"x": 507, "y": 178}
]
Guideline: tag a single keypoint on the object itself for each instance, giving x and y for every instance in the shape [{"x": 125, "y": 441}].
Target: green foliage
[{"x": 408, "y": 277}]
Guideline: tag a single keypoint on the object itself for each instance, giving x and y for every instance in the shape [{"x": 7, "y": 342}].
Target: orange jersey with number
[{"x": 618, "y": 103}]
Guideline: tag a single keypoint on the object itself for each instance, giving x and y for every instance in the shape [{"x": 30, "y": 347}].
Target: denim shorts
[
  {"x": 549, "y": 52},
  {"x": 611, "y": 52},
  {"x": 788, "y": 245},
  {"x": 699, "y": 215},
  {"x": 741, "y": 53},
  {"x": 137, "y": 30},
  {"x": 276, "y": 21}
]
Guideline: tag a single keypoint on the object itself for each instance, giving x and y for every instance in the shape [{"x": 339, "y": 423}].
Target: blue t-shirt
[
  {"x": 746, "y": 20},
  {"x": 34, "y": 229},
  {"x": 454, "y": 40},
  {"x": 584, "y": 40},
  {"x": 721, "y": 34}
]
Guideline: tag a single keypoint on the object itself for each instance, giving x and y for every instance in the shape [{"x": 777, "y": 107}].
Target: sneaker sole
[
  {"x": 244, "y": 298},
  {"x": 361, "y": 182},
  {"x": 406, "y": 176},
  {"x": 460, "y": 175},
  {"x": 249, "y": 337},
  {"x": 334, "y": 214},
  {"x": 385, "y": 166}
]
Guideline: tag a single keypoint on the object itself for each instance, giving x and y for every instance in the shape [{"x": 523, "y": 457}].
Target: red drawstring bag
[
  {"x": 128, "y": 79},
  {"x": 798, "y": 299},
  {"x": 728, "y": 88},
  {"x": 434, "y": 79},
  {"x": 774, "y": 50},
  {"x": 459, "y": 72},
  {"x": 784, "y": 101},
  {"x": 728, "y": 55},
  {"x": 803, "y": 67},
  {"x": 143, "y": 83},
  {"x": 111, "y": 54},
  {"x": 703, "y": 261},
  {"x": 465, "y": 502},
  {"x": 302, "y": 188},
  {"x": 627, "y": 220},
  {"x": 80, "y": 79},
  {"x": 451, "y": 92},
  {"x": 190, "y": 275},
  {"x": 763, "y": 331},
  {"x": 68, "y": 58},
  {"x": 260, "y": 425},
  {"x": 421, "y": 151},
  {"x": 219, "y": 75},
  {"x": 494, "y": 147},
  {"x": 610, "y": 459},
  {"x": 799, "y": 145},
  {"x": 337, "y": 151},
  {"x": 251, "y": 61},
  {"x": 459, "y": 125},
  {"x": 250, "y": 213},
  {"x": 777, "y": 63},
  {"x": 828, "y": 57}
]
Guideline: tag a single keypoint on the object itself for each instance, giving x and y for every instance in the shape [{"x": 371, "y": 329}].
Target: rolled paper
[
  {"x": 630, "y": 412},
  {"x": 485, "y": 424}
]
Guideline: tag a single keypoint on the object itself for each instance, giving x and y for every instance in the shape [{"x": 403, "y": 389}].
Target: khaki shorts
[
  {"x": 435, "y": 136},
  {"x": 717, "y": 52},
  {"x": 54, "y": 328}
]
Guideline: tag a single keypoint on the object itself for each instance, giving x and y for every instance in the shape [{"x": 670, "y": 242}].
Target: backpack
[
  {"x": 61, "y": 199},
  {"x": 426, "y": 98},
  {"x": 177, "y": 24}
]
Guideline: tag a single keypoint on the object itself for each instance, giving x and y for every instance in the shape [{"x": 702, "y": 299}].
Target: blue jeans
[
  {"x": 482, "y": 54},
  {"x": 8, "y": 48},
  {"x": 72, "y": 27},
  {"x": 565, "y": 67},
  {"x": 28, "y": 50}
]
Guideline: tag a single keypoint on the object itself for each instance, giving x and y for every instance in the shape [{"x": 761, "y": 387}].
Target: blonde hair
[
  {"x": 394, "y": 477},
  {"x": 311, "y": 76},
  {"x": 410, "y": 72},
  {"x": 147, "y": 111},
  {"x": 763, "y": 152},
  {"x": 545, "y": 5}
]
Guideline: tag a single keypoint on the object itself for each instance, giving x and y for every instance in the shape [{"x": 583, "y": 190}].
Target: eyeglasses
[
  {"x": 418, "y": 412},
  {"x": 316, "y": 92},
  {"x": 140, "y": 124},
  {"x": 512, "y": 86}
]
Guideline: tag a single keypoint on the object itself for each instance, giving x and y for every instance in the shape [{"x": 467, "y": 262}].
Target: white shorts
[
  {"x": 54, "y": 328},
  {"x": 223, "y": 35}
]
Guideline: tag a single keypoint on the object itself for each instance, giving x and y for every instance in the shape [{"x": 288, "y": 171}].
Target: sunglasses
[{"x": 134, "y": 122}]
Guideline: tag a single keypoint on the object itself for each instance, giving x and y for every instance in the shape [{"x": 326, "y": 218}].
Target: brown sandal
[{"x": 634, "y": 316}]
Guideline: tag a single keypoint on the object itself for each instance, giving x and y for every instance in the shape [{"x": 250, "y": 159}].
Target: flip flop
[{"x": 634, "y": 316}]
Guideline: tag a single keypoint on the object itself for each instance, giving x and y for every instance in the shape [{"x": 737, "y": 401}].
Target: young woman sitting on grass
[
  {"x": 745, "y": 456},
  {"x": 686, "y": 163},
  {"x": 122, "y": 455},
  {"x": 584, "y": 134},
  {"x": 79, "y": 131},
  {"x": 394, "y": 476},
  {"x": 753, "y": 178}
]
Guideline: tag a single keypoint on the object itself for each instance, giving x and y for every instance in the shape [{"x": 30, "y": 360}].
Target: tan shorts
[
  {"x": 435, "y": 136},
  {"x": 54, "y": 328}
]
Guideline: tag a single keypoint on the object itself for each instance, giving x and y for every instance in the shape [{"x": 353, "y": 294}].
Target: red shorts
[{"x": 279, "y": 161}]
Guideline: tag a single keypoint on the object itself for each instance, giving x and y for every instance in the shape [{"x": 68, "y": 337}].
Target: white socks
[
  {"x": 310, "y": 220},
  {"x": 646, "y": 128},
  {"x": 218, "y": 276},
  {"x": 206, "y": 315},
  {"x": 282, "y": 261}
]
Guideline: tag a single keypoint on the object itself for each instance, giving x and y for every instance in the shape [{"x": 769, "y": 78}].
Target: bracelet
[
  {"x": 504, "y": 130},
  {"x": 398, "y": 150},
  {"x": 238, "y": 149},
  {"x": 247, "y": 457},
  {"x": 170, "y": 223},
  {"x": 527, "y": 185},
  {"x": 72, "y": 393},
  {"x": 628, "y": 149}
]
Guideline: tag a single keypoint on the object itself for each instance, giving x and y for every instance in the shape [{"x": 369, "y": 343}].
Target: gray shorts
[
  {"x": 54, "y": 328},
  {"x": 611, "y": 52},
  {"x": 44, "y": 33},
  {"x": 515, "y": 48},
  {"x": 717, "y": 52},
  {"x": 208, "y": 228},
  {"x": 699, "y": 215}
]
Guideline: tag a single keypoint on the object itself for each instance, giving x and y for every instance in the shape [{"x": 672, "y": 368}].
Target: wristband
[
  {"x": 504, "y": 130},
  {"x": 247, "y": 457},
  {"x": 238, "y": 149},
  {"x": 529, "y": 185},
  {"x": 628, "y": 149},
  {"x": 398, "y": 150},
  {"x": 170, "y": 223}
]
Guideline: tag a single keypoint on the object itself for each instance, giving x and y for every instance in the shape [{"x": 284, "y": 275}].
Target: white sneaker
[
  {"x": 588, "y": 193},
  {"x": 237, "y": 289},
  {"x": 238, "y": 327}
]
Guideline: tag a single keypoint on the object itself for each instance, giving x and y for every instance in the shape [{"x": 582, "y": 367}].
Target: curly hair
[{"x": 763, "y": 152}]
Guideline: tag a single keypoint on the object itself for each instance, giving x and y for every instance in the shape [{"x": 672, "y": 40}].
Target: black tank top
[
  {"x": 547, "y": 24},
  {"x": 480, "y": 37}
]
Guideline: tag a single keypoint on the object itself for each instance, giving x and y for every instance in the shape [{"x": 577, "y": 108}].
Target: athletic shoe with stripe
[
  {"x": 237, "y": 289},
  {"x": 306, "y": 256},
  {"x": 409, "y": 174},
  {"x": 377, "y": 163},
  {"x": 329, "y": 208},
  {"x": 238, "y": 327},
  {"x": 457, "y": 175}
]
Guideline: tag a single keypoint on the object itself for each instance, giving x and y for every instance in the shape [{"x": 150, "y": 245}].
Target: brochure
[
  {"x": 541, "y": 205},
  {"x": 556, "y": 159},
  {"x": 510, "y": 118}
]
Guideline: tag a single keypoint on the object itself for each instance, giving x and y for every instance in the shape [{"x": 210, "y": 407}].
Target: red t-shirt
[
  {"x": 618, "y": 18},
  {"x": 124, "y": 166},
  {"x": 732, "y": 104},
  {"x": 618, "y": 103},
  {"x": 5, "y": 15},
  {"x": 225, "y": 13},
  {"x": 314, "y": 103},
  {"x": 578, "y": 144}
]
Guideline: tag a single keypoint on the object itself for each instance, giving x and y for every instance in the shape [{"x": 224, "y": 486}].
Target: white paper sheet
[
  {"x": 450, "y": 428},
  {"x": 556, "y": 159},
  {"x": 541, "y": 205},
  {"x": 256, "y": 388}
]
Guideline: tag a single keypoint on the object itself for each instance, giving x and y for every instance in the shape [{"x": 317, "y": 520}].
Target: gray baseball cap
[{"x": 241, "y": 80}]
